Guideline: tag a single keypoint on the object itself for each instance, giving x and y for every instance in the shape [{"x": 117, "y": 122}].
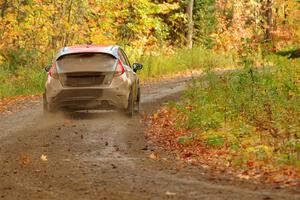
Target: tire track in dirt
[{"x": 104, "y": 155}]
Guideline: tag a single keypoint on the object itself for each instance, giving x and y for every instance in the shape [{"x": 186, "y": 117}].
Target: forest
[
  {"x": 252, "y": 110},
  {"x": 32, "y": 31}
]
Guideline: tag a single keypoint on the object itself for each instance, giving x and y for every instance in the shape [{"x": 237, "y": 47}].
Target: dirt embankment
[{"x": 104, "y": 155}]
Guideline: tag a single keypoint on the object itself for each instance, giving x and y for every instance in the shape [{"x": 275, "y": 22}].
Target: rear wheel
[
  {"x": 130, "y": 108},
  {"x": 46, "y": 110},
  {"x": 137, "y": 102}
]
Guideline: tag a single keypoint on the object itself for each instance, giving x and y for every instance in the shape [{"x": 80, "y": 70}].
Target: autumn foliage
[
  {"x": 32, "y": 30},
  {"x": 243, "y": 122}
]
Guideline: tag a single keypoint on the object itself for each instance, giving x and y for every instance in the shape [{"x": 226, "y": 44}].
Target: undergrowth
[
  {"x": 156, "y": 66},
  {"x": 24, "y": 81},
  {"x": 252, "y": 112}
]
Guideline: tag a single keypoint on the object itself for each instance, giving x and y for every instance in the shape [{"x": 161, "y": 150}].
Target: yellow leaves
[
  {"x": 262, "y": 150},
  {"x": 291, "y": 94},
  {"x": 155, "y": 116},
  {"x": 99, "y": 38},
  {"x": 167, "y": 7},
  {"x": 1, "y": 57},
  {"x": 10, "y": 17},
  {"x": 26, "y": 9},
  {"x": 43, "y": 25},
  {"x": 26, "y": 159}
]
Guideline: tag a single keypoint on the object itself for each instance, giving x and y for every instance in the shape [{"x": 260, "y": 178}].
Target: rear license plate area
[{"x": 83, "y": 79}]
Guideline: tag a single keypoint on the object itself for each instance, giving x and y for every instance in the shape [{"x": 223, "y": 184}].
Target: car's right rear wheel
[
  {"x": 137, "y": 102},
  {"x": 130, "y": 108}
]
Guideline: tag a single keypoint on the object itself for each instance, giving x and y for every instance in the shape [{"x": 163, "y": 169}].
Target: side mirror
[
  {"x": 47, "y": 68},
  {"x": 137, "y": 66}
]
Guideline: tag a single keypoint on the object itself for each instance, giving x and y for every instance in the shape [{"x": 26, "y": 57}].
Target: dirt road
[{"x": 104, "y": 155}]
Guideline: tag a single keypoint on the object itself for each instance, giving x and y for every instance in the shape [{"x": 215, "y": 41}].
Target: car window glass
[
  {"x": 126, "y": 58},
  {"x": 122, "y": 58}
]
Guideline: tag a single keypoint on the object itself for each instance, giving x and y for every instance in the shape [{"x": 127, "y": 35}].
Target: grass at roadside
[
  {"x": 156, "y": 66},
  {"x": 246, "y": 121},
  {"x": 29, "y": 79},
  {"x": 25, "y": 81}
]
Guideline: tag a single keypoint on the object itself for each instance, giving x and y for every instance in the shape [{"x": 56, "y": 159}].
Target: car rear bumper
[{"x": 87, "y": 98}]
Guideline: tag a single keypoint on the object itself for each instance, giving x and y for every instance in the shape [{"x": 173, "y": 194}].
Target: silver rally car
[{"x": 92, "y": 77}]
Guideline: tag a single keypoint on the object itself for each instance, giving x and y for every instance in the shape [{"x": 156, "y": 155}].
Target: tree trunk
[
  {"x": 285, "y": 13},
  {"x": 269, "y": 19},
  {"x": 66, "y": 36},
  {"x": 191, "y": 24},
  {"x": 3, "y": 8}
]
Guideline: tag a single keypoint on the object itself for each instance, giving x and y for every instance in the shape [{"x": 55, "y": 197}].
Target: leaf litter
[
  {"x": 162, "y": 129},
  {"x": 13, "y": 104}
]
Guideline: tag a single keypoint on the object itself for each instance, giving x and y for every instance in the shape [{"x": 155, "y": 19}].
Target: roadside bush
[
  {"x": 24, "y": 81},
  {"x": 252, "y": 110},
  {"x": 198, "y": 58}
]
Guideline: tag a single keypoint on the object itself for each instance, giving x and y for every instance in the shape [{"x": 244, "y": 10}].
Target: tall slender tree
[
  {"x": 189, "y": 9},
  {"x": 269, "y": 19}
]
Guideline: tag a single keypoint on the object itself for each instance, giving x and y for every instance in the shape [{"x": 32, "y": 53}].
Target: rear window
[{"x": 81, "y": 61}]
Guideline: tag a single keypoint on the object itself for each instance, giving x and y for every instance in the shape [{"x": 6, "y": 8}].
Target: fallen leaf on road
[
  {"x": 242, "y": 176},
  {"x": 170, "y": 193},
  {"x": 68, "y": 121},
  {"x": 204, "y": 166},
  {"x": 12, "y": 104},
  {"x": 24, "y": 160},
  {"x": 44, "y": 158},
  {"x": 167, "y": 129},
  {"x": 154, "y": 156},
  {"x": 155, "y": 116}
]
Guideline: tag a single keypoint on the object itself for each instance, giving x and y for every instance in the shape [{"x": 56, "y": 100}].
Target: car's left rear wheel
[{"x": 46, "y": 111}]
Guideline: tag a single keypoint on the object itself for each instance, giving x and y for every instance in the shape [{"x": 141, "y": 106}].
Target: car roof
[{"x": 108, "y": 49}]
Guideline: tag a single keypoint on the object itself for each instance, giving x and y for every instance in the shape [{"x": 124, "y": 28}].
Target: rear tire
[
  {"x": 130, "y": 109},
  {"x": 46, "y": 110},
  {"x": 137, "y": 102}
]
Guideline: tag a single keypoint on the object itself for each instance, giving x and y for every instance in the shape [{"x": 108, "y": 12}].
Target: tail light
[
  {"x": 119, "y": 69},
  {"x": 53, "y": 71}
]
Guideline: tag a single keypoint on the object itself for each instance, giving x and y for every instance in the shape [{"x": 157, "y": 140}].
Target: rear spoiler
[{"x": 67, "y": 54}]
